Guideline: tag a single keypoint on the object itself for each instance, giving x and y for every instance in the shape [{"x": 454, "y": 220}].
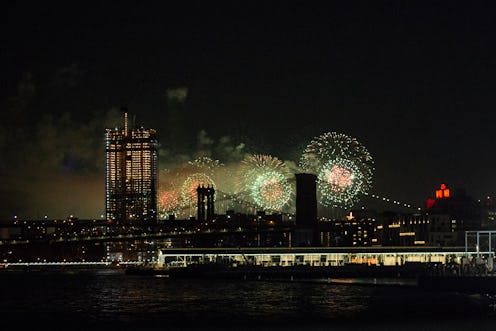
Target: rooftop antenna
[{"x": 125, "y": 120}]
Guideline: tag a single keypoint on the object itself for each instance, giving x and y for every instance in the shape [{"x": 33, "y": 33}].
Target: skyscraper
[
  {"x": 306, "y": 209},
  {"x": 131, "y": 174}
]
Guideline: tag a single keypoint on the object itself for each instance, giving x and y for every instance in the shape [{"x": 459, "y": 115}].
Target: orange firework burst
[{"x": 168, "y": 201}]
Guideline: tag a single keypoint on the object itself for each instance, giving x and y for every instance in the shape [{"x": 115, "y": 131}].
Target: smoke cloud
[{"x": 53, "y": 162}]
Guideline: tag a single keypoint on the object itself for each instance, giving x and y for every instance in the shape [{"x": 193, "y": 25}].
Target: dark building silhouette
[
  {"x": 396, "y": 228},
  {"x": 306, "y": 210},
  {"x": 488, "y": 209},
  {"x": 450, "y": 214},
  {"x": 208, "y": 194},
  {"x": 355, "y": 229}
]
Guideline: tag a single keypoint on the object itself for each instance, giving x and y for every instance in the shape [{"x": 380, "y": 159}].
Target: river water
[{"x": 105, "y": 300}]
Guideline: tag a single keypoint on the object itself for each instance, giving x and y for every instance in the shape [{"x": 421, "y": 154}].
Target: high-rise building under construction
[{"x": 131, "y": 174}]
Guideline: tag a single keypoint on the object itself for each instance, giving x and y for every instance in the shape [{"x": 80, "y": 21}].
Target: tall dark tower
[
  {"x": 208, "y": 193},
  {"x": 201, "y": 203},
  {"x": 306, "y": 210},
  {"x": 210, "y": 203}
]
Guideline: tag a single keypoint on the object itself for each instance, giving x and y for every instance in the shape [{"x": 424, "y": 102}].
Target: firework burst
[
  {"x": 264, "y": 181},
  {"x": 205, "y": 164},
  {"x": 169, "y": 202},
  {"x": 343, "y": 166},
  {"x": 188, "y": 189}
]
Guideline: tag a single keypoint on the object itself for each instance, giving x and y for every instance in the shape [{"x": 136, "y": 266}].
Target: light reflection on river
[{"x": 99, "y": 300}]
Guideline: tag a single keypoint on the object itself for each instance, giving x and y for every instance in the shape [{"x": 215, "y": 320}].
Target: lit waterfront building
[
  {"x": 131, "y": 174},
  {"x": 320, "y": 256}
]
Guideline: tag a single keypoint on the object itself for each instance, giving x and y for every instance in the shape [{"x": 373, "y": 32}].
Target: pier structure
[
  {"x": 480, "y": 241},
  {"x": 316, "y": 256}
]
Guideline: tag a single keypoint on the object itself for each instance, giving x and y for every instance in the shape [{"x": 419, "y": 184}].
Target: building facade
[
  {"x": 131, "y": 174},
  {"x": 451, "y": 214}
]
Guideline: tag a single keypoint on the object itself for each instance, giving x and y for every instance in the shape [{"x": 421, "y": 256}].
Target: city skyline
[{"x": 411, "y": 82}]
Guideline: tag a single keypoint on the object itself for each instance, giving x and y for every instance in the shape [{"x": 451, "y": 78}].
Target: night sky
[{"x": 413, "y": 81}]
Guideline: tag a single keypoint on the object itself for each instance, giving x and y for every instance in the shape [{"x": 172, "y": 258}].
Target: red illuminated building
[{"x": 443, "y": 192}]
